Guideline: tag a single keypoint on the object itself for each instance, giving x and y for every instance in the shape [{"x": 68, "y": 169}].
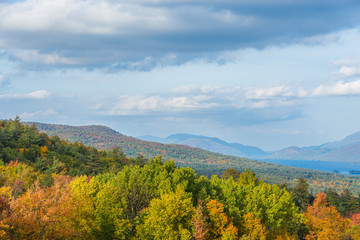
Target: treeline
[
  {"x": 160, "y": 201},
  {"x": 51, "y": 189},
  {"x": 345, "y": 202}
]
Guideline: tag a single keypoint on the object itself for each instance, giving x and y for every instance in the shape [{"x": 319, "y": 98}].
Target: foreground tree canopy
[{"x": 58, "y": 190}]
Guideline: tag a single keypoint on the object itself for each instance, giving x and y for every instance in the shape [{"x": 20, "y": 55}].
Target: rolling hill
[{"x": 202, "y": 161}]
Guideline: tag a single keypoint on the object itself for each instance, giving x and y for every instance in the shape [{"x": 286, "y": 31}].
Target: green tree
[
  {"x": 169, "y": 217},
  {"x": 110, "y": 207},
  {"x": 230, "y": 172},
  {"x": 83, "y": 198},
  {"x": 347, "y": 203},
  {"x": 301, "y": 195}
]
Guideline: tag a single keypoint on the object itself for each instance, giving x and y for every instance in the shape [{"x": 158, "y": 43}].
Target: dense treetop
[{"x": 52, "y": 189}]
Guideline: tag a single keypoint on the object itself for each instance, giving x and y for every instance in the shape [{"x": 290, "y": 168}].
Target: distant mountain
[
  {"x": 209, "y": 143},
  {"x": 346, "y": 150},
  {"x": 202, "y": 161}
]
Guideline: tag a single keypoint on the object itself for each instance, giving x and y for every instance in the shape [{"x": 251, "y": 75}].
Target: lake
[{"x": 341, "y": 167}]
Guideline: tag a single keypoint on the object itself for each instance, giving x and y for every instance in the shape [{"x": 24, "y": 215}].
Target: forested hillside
[
  {"x": 203, "y": 162},
  {"x": 52, "y": 189},
  {"x": 24, "y": 143}
]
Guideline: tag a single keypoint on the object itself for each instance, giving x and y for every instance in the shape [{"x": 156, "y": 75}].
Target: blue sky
[{"x": 265, "y": 73}]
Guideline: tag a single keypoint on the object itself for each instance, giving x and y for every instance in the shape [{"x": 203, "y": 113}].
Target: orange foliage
[
  {"x": 356, "y": 219},
  {"x": 42, "y": 213},
  {"x": 200, "y": 222},
  {"x": 324, "y": 221},
  {"x": 355, "y": 229},
  {"x": 221, "y": 226}
]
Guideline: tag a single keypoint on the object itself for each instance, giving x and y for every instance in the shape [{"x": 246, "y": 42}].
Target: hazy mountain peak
[
  {"x": 346, "y": 150},
  {"x": 352, "y": 138},
  {"x": 208, "y": 143}
]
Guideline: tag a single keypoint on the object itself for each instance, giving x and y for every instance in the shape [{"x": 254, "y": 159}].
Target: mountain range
[
  {"x": 346, "y": 150},
  {"x": 209, "y": 143}
]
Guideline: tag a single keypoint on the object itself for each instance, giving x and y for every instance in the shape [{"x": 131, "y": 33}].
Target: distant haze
[{"x": 346, "y": 150}]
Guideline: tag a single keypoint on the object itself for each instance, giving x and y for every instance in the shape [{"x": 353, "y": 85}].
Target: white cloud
[
  {"x": 340, "y": 88},
  {"x": 36, "y": 95},
  {"x": 349, "y": 71},
  {"x": 348, "y": 66},
  {"x": 33, "y": 56},
  {"x": 40, "y": 94},
  {"x": 37, "y": 114},
  {"x": 275, "y": 92},
  {"x": 135, "y": 105},
  {"x": 191, "y": 89},
  {"x": 192, "y": 98},
  {"x": 81, "y": 17}
]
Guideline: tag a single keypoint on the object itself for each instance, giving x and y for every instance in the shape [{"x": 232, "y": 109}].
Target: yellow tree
[
  {"x": 252, "y": 227},
  {"x": 168, "y": 217},
  {"x": 4, "y": 212},
  {"x": 83, "y": 197}
]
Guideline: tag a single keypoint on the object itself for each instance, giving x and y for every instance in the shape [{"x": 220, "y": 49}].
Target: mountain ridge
[
  {"x": 209, "y": 143},
  {"x": 345, "y": 150}
]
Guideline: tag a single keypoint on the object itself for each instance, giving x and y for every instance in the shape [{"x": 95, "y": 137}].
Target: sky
[{"x": 269, "y": 73}]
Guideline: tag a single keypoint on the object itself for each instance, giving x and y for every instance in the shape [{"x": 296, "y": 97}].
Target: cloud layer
[
  {"x": 189, "y": 98},
  {"x": 141, "y": 35},
  {"x": 228, "y": 106},
  {"x": 36, "y": 95}
]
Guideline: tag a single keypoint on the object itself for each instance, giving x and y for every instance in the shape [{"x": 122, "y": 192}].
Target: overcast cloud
[{"x": 140, "y": 35}]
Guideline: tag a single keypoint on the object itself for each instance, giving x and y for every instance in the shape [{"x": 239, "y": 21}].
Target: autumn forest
[{"x": 54, "y": 189}]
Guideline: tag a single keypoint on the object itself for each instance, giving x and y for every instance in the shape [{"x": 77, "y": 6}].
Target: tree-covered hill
[
  {"x": 24, "y": 143},
  {"x": 202, "y": 161}
]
